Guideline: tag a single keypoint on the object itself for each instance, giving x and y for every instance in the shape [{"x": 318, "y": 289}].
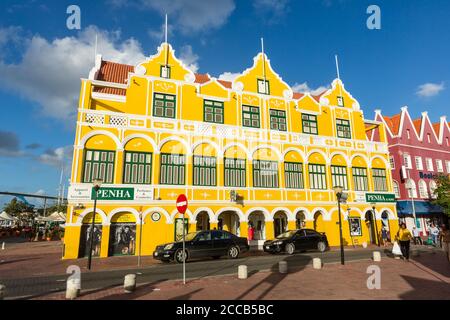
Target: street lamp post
[
  {"x": 375, "y": 223},
  {"x": 97, "y": 183},
  {"x": 140, "y": 239},
  {"x": 338, "y": 191}
]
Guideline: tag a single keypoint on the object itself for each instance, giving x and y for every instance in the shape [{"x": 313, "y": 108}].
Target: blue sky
[{"x": 407, "y": 62}]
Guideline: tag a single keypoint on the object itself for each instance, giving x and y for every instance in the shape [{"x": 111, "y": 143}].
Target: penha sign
[
  {"x": 109, "y": 193},
  {"x": 380, "y": 197}
]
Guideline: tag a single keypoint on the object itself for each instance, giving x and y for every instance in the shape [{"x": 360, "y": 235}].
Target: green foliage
[
  {"x": 16, "y": 207},
  {"x": 443, "y": 193}
]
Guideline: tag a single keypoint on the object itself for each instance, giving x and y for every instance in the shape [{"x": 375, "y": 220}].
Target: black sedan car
[
  {"x": 202, "y": 244},
  {"x": 297, "y": 240}
]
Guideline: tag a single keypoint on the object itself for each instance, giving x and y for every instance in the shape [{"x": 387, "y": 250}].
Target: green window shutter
[
  {"x": 343, "y": 129},
  {"x": 98, "y": 164},
  {"x": 204, "y": 171},
  {"x": 309, "y": 124},
  {"x": 379, "y": 179},
  {"x": 339, "y": 176},
  {"x": 213, "y": 111},
  {"x": 293, "y": 175},
  {"x": 235, "y": 172},
  {"x": 360, "y": 179},
  {"x": 172, "y": 169},
  {"x": 317, "y": 176},
  {"x": 137, "y": 168},
  {"x": 265, "y": 174},
  {"x": 164, "y": 105},
  {"x": 278, "y": 120},
  {"x": 250, "y": 116}
]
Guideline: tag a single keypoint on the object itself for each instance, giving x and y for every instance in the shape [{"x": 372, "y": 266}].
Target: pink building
[{"x": 419, "y": 150}]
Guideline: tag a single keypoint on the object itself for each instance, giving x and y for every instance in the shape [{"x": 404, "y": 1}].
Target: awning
[
  {"x": 421, "y": 207},
  {"x": 5, "y": 216}
]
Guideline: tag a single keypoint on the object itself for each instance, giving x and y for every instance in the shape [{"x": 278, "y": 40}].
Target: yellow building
[{"x": 246, "y": 152}]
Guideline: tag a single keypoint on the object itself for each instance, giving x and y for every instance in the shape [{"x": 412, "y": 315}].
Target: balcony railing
[{"x": 197, "y": 128}]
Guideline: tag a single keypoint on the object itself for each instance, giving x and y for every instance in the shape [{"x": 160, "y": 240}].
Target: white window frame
[
  {"x": 439, "y": 165},
  {"x": 412, "y": 188},
  {"x": 429, "y": 163},
  {"x": 433, "y": 187},
  {"x": 423, "y": 189},
  {"x": 407, "y": 161},
  {"x": 419, "y": 162},
  {"x": 396, "y": 187},
  {"x": 447, "y": 164}
]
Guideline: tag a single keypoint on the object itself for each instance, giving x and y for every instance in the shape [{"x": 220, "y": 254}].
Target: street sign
[{"x": 182, "y": 203}]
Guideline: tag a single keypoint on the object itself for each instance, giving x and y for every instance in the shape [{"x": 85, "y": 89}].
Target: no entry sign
[{"x": 182, "y": 203}]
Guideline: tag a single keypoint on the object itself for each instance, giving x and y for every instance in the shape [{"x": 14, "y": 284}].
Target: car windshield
[
  {"x": 287, "y": 234},
  {"x": 190, "y": 236}
]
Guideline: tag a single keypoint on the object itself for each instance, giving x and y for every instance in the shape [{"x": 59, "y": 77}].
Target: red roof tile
[
  {"x": 201, "y": 78},
  {"x": 393, "y": 123},
  {"x": 226, "y": 84},
  {"x": 113, "y": 72},
  {"x": 417, "y": 124}
]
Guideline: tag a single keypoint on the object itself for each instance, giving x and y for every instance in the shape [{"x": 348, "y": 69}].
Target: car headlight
[
  {"x": 168, "y": 246},
  {"x": 277, "y": 243}
]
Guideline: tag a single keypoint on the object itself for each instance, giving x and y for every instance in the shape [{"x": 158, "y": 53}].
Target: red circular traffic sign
[{"x": 182, "y": 203}]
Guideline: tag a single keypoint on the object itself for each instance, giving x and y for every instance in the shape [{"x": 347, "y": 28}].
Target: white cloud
[
  {"x": 430, "y": 89},
  {"x": 304, "y": 88},
  {"x": 57, "y": 157},
  {"x": 193, "y": 15},
  {"x": 189, "y": 58},
  {"x": 229, "y": 76},
  {"x": 49, "y": 72}
]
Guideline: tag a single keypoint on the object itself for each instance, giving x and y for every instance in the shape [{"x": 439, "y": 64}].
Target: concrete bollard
[
  {"x": 364, "y": 244},
  {"x": 376, "y": 256},
  {"x": 129, "y": 283},
  {"x": 242, "y": 272},
  {"x": 2, "y": 291},
  {"x": 317, "y": 263},
  {"x": 282, "y": 267},
  {"x": 3, "y": 245},
  {"x": 73, "y": 288}
]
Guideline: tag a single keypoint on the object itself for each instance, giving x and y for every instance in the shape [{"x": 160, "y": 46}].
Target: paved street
[{"x": 42, "y": 275}]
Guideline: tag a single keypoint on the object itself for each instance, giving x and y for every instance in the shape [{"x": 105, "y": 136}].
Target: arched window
[
  {"x": 433, "y": 187},
  {"x": 423, "y": 192},
  {"x": 411, "y": 187},
  {"x": 396, "y": 189}
]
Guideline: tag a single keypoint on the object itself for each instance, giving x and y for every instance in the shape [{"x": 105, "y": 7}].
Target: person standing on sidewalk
[
  {"x": 445, "y": 238},
  {"x": 416, "y": 234},
  {"x": 434, "y": 231},
  {"x": 384, "y": 235},
  {"x": 404, "y": 237}
]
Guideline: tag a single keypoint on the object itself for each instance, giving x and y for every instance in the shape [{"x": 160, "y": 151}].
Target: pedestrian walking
[
  {"x": 384, "y": 236},
  {"x": 404, "y": 237},
  {"x": 445, "y": 238},
  {"x": 434, "y": 232},
  {"x": 416, "y": 236}
]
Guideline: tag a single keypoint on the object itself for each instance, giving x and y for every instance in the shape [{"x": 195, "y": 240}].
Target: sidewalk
[
  {"x": 425, "y": 277},
  {"x": 30, "y": 259}
]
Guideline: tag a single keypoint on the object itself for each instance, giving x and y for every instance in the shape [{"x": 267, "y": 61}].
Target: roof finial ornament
[
  {"x": 263, "y": 57},
  {"x": 338, "y": 74},
  {"x": 166, "y": 43}
]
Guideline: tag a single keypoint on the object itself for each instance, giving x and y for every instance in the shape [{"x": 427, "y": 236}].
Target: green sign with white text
[
  {"x": 108, "y": 193},
  {"x": 380, "y": 197}
]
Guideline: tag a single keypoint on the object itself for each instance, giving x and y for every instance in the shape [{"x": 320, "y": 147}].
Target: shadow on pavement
[
  {"x": 140, "y": 291},
  {"x": 275, "y": 277},
  {"x": 426, "y": 289}
]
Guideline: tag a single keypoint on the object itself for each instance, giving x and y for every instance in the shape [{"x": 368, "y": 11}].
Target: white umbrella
[
  {"x": 57, "y": 217},
  {"x": 5, "y": 216}
]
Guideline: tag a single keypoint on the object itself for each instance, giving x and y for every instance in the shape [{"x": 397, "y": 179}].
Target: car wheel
[
  {"x": 179, "y": 256},
  {"x": 321, "y": 246},
  {"x": 233, "y": 252},
  {"x": 290, "y": 248}
]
